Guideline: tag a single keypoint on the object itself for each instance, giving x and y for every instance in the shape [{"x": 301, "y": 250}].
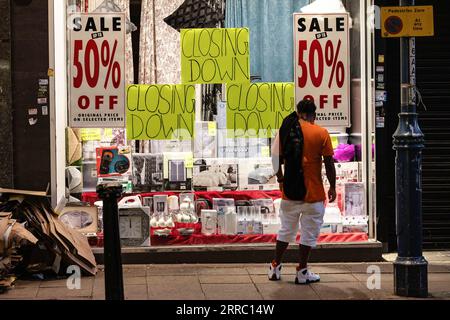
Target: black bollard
[
  {"x": 410, "y": 267},
  {"x": 110, "y": 193}
]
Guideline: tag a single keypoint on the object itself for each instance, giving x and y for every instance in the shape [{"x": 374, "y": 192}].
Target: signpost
[
  {"x": 411, "y": 21},
  {"x": 96, "y": 70},
  {"x": 322, "y": 68},
  {"x": 410, "y": 267}
]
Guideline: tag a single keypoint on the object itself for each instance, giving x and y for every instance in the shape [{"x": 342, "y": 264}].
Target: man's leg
[
  {"x": 304, "y": 256},
  {"x": 280, "y": 249},
  {"x": 310, "y": 223}
]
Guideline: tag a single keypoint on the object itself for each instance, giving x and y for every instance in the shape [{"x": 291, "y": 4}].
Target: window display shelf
[
  {"x": 200, "y": 239},
  {"x": 92, "y": 197}
]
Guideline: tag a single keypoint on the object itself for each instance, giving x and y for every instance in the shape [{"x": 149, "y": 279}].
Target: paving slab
[
  {"x": 225, "y": 279},
  {"x": 135, "y": 292},
  {"x": 231, "y": 292},
  {"x": 281, "y": 290},
  {"x": 341, "y": 291},
  {"x": 220, "y": 270},
  {"x": 176, "y": 291},
  {"x": 63, "y": 293},
  {"x": 22, "y": 293}
]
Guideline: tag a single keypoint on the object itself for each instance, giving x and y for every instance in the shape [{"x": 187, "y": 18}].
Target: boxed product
[
  {"x": 332, "y": 220},
  {"x": 215, "y": 174},
  {"x": 209, "y": 222},
  {"x": 147, "y": 172},
  {"x": 355, "y": 224},
  {"x": 113, "y": 161},
  {"x": 89, "y": 169},
  {"x": 160, "y": 204},
  {"x": 354, "y": 199},
  {"x": 257, "y": 174},
  {"x": 177, "y": 170},
  {"x": 221, "y": 205},
  {"x": 345, "y": 172},
  {"x": 205, "y": 141}
]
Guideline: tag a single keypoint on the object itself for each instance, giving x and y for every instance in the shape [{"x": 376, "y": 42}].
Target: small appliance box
[
  {"x": 354, "y": 199},
  {"x": 221, "y": 205},
  {"x": 205, "y": 140},
  {"x": 112, "y": 161},
  {"x": 147, "y": 172},
  {"x": 257, "y": 174},
  {"x": 209, "y": 222},
  {"x": 89, "y": 169},
  {"x": 355, "y": 224},
  {"x": 215, "y": 174},
  {"x": 345, "y": 172},
  {"x": 178, "y": 170}
]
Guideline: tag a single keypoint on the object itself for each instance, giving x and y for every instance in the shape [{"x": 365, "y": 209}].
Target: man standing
[{"x": 303, "y": 191}]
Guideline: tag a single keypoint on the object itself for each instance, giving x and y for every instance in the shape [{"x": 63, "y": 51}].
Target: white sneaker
[
  {"x": 274, "y": 271},
  {"x": 304, "y": 276}
]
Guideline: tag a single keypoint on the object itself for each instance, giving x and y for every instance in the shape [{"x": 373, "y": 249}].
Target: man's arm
[
  {"x": 277, "y": 159},
  {"x": 331, "y": 176}
]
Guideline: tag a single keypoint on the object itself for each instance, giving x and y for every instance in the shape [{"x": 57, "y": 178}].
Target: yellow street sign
[{"x": 409, "y": 21}]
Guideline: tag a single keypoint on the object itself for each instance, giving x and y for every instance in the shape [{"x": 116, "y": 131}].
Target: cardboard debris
[{"x": 29, "y": 220}]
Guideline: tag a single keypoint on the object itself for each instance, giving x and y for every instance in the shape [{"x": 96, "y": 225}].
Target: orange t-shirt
[{"x": 317, "y": 144}]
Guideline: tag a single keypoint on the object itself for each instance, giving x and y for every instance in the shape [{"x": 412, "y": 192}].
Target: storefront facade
[{"x": 174, "y": 186}]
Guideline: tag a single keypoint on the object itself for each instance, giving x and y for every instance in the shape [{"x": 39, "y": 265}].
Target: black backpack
[{"x": 291, "y": 144}]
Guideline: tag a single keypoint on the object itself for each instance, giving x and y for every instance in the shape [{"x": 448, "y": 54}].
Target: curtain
[
  {"x": 159, "y": 44},
  {"x": 271, "y": 36},
  {"x": 91, "y": 5}
]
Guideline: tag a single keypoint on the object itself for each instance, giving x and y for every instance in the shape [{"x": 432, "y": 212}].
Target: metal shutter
[{"x": 433, "y": 81}]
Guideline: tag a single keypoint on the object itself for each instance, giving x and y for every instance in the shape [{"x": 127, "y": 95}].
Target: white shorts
[{"x": 310, "y": 216}]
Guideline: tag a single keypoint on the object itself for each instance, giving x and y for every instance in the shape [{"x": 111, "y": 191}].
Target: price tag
[
  {"x": 212, "y": 128},
  {"x": 90, "y": 134},
  {"x": 189, "y": 161},
  {"x": 265, "y": 151},
  {"x": 334, "y": 142}
]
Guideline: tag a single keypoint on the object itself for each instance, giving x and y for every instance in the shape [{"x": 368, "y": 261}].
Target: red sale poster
[
  {"x": 96, "y": 70},
  {"x": 322, "y": 66}
]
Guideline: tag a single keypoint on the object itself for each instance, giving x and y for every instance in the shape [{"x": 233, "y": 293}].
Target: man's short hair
[{"x": 306, "y": 106}]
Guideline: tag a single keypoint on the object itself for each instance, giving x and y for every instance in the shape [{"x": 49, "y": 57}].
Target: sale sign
[
  {"x": 96, "y": 70},
  {"x": 322, "y": 68}
]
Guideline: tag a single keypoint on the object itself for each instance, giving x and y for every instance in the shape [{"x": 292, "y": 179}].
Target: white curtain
[
  {"x": 125, "y": 6},
  {"x": 159, "y": 44}
]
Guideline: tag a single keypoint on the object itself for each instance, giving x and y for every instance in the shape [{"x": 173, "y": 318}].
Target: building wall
[
  {"x": 30, "y": 61},
  {"x": 6, "y": 138}
]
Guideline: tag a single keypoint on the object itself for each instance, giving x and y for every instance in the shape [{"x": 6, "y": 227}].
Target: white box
[
  {"x": 354, "y": 199},
  {"x": 205, "y": 141},
  {"x": 209, "y": 222},
  {"x": 257, "y": 174}
]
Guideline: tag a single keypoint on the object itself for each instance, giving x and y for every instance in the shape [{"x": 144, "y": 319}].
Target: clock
[{"x": 134, "y": 227}]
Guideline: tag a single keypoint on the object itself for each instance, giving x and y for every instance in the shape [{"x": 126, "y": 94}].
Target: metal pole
[
  {"x": 109, "y": 193},
  {"x": 410, "y": 267}
]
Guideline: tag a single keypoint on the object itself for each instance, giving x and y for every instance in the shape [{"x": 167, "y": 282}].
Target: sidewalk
[{"x": 240, "y": 282}]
